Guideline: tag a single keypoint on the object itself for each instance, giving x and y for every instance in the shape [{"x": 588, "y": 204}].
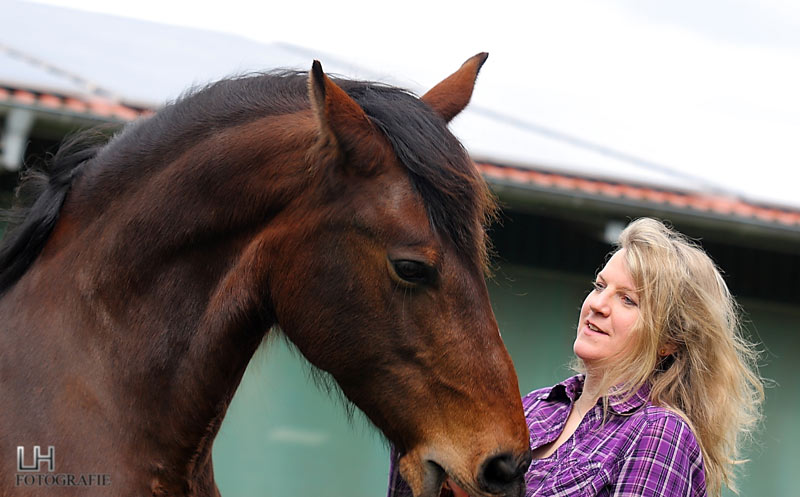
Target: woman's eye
[
  {"x": 629, "y": 301},
  {"x": 412, "y": 271},
  {"x": 598, "y": 286}
]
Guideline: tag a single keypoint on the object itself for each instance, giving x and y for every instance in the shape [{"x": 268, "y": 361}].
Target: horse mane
[
  {"x": 440, "y": 170},
  {"x": 40, "y": 196}
]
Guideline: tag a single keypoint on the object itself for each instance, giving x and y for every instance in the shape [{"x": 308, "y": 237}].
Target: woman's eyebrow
[
  {"x": 620, "y": 288},
  {"x": 626, "y": 289}
]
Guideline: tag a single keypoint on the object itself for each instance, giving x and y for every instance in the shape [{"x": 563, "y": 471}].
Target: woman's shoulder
[
  {"x": 662, "y": 458},
  {"x": 661, "y": 416},
  {"x": 663, "y": 429}
]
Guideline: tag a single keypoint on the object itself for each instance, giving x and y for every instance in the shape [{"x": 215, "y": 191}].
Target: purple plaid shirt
[{"x": 640, "y": 450}]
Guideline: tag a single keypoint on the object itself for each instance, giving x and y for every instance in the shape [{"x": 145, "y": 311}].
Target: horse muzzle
[
  {"x": 504, "y": 474},
  {"x": 500, "y": 475}
]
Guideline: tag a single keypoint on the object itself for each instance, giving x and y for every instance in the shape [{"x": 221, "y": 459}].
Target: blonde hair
[{"x": 711, "y": 380}]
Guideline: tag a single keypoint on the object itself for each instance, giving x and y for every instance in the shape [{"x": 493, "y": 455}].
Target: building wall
[{"x": 284, "y": 437}]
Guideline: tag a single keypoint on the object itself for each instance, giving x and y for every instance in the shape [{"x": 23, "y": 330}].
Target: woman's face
[{"x": 608, "y": 313}]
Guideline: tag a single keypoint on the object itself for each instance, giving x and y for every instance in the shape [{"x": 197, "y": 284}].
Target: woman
[{"x": 668, "y": 386}]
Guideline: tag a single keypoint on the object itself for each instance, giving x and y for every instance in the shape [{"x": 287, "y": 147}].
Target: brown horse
[{"x": 149, "y": 269}]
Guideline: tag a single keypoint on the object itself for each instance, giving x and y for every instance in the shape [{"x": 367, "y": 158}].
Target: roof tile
[
  {"x": 75, "y": 105},
  {"x": 24, "y": 97},
  {"x": 94, "y": 107},
  {"x": 51, "y": 101},
  {"x": 719, "y": 204}
]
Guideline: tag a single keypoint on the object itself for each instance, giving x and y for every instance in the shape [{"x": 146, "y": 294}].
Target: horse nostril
[{"x": 503, "y": 472}]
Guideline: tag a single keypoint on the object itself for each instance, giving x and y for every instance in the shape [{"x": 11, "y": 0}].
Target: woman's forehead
[{"x": 617, "y": 269}]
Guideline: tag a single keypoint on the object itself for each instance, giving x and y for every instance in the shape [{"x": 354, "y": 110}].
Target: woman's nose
[{"x": 599, "y": 304}]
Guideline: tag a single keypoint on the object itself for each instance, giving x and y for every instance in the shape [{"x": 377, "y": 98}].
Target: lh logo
[{"x": 38, "y": 459}]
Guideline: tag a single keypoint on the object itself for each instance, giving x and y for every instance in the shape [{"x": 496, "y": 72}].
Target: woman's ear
[{"x": 667, "y": 349}]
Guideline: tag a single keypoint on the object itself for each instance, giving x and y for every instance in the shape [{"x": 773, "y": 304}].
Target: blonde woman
[{"x": 668, "y": 387}]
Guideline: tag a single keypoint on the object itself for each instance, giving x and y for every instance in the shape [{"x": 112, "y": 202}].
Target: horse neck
[{"x": 171, "y": 280}]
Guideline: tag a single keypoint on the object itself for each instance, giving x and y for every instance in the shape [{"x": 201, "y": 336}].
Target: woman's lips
[{"x": 592, "y": 328}]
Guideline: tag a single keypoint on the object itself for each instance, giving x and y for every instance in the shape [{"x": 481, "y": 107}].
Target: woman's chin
[{"x": 586, "y": 352}]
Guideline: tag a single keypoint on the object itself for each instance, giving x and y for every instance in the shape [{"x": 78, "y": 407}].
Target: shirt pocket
[{"x": 579, "y": 477}]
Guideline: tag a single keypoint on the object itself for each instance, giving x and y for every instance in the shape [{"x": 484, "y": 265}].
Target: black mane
[
  {"x": 438, "y": 166},
  {"x": 45, "y": 191}
]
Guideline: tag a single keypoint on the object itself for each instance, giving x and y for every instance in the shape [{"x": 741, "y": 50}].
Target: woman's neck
[{"x": 591, "y": 391}]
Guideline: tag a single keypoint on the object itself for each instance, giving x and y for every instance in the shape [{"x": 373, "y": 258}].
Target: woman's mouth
[{"x": 594, "y": 329}]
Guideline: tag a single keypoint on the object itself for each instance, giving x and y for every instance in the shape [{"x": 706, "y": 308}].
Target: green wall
[
  {"x": 775, "y": 456},
  {"x": 284, "y": 437}
]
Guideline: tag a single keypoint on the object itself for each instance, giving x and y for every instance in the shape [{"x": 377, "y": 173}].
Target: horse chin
[{"x": 425, "y": 477}]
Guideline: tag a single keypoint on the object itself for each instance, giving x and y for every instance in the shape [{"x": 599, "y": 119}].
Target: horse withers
[{"x": 343, "y": 214}]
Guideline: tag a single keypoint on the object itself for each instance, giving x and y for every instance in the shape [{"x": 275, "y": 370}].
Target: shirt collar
[
  {"x": 621, "y": 405},
  {"x": 570, "y": 389}
]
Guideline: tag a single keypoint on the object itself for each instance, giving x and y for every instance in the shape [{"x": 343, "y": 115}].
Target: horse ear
[
  {"x": 449, "y": 97},
  {"x": 343, "y": 124}
]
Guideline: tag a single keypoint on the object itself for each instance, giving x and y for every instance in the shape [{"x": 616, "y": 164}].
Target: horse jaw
[{"x": 424, "y": 477}]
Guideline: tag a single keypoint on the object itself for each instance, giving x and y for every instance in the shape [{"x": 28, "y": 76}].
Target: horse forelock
[{"x": 458, "y": 201}]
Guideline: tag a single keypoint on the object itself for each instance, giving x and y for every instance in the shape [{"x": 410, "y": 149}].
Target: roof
[
  {"x": 104, "y": 68},
  {"x": 136, "y": 62},
  {"x": 698, "y": 203},
  {"x": 79, "y": 107},
  {"x": 103, "y": 109}
]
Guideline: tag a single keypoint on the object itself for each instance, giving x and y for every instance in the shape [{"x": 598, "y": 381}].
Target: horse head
[{"x": 388, "y": 295}]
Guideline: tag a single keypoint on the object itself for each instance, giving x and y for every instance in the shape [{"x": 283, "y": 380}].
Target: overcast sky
[{"x": 709, "y": 88}]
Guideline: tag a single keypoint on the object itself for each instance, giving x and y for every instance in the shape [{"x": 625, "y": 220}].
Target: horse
[{"x": 150, "y": 266}]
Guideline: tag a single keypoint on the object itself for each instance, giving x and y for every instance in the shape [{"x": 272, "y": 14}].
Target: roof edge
[{"x": 732, "y": 211}]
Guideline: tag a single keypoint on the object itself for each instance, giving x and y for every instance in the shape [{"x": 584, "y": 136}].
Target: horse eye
[{"x": 412, "y": 271}]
